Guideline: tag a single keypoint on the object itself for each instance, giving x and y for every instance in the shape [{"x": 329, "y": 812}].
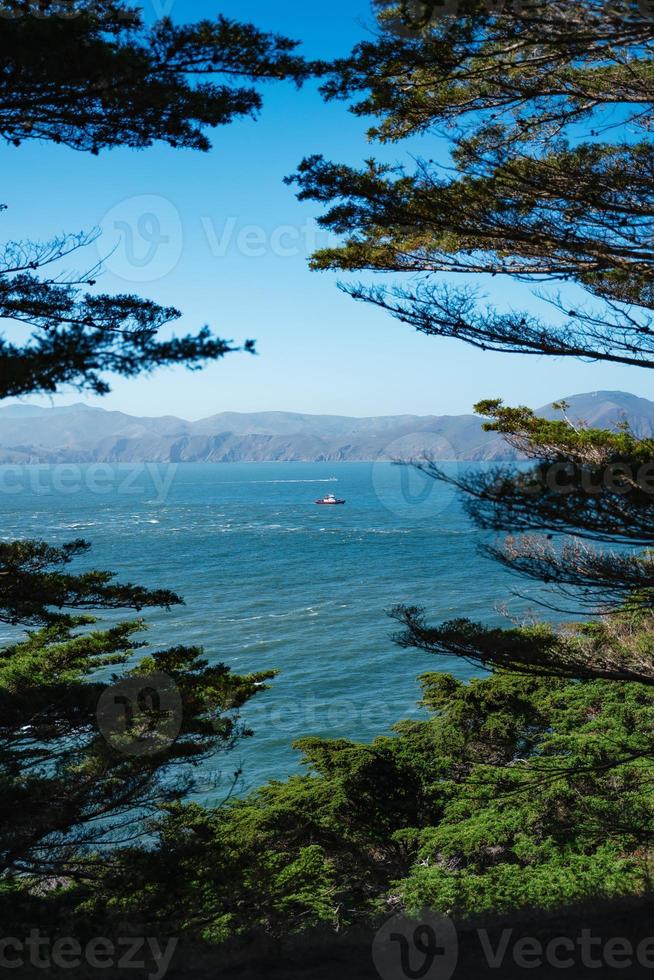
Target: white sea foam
[
  {"x": 248, "y": 483},
  {"x": 250, "y": 594}
]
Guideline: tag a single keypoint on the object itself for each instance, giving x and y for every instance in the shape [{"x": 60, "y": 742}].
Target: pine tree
[
  {"x": 529, "y": 788},
  {"x": 94, "y": 737},
  {"x": 88, "y": 749},
  {"x": 547, "y": 109},
  {"x": 93, "y": 76},
  {"x": 577, "y": 520},
  {"x": 506, "y": 799}
]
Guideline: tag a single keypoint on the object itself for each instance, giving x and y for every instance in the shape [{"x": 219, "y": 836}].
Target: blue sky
[{"x": 235, "y": 258}]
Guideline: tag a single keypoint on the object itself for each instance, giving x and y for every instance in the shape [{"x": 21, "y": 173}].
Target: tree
[
  {"x": 76, "y": 772},
  {"x": 78, "y": 338},
  {"x": 517, "y": 794},
  {"x": 422, "y": 818},
  {"x": 548, "y": 112},
  {"x": 92, "y": 76},
  {"x": 588, "y": 488},
  {"x": 529, "y": 788},
  {"x": 86, "y": 754},
  {"x": 525, "y": 92},
  {"x": 528, "y": 95}
]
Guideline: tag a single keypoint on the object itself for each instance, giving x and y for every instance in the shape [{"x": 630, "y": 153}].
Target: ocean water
[{"x": 271, "y": 580}]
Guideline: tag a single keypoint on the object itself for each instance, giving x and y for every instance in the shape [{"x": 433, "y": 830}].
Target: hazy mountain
[
  {"x": 601, "y": 410},
  {"x": 79, "y": 433}
]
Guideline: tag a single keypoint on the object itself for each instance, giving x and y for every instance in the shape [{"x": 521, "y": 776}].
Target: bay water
[{"x": 273, "y": 581}]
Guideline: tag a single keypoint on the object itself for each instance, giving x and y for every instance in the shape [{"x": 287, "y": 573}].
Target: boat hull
[{"x": 329, "y": 503}]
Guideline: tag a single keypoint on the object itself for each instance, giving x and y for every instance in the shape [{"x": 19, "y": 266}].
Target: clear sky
[{"x": 236, "y": 250}]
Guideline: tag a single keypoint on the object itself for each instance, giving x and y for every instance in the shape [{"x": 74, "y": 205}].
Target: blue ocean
[{"x": 272, "y": 581}]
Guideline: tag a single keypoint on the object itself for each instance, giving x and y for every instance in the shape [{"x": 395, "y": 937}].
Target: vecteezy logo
[
  {"x": 141, "y": 715},
  {"x": 424, "y": 947},
  {"x": 409, "y": 18},
  {"x": 141, "y": 238},
  {"x": 409, "y": 490}
]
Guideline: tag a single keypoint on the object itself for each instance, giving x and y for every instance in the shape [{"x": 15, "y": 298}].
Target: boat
[{"x": 330, "y": 498}]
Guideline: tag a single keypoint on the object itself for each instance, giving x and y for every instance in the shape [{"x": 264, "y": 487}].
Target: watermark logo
[
  {"x": 421, "y": 948},
  {"x": 154, "y": 481},
  {"x": 256, "y": 242},
  {"x": 143, "y": 238},
  {"x": 333, "y": 716},
  {"x": 141, "y": 715},
  {"x": 149, "y": 955},
  {"x": 426, "y": 947},
  {"x": 411, "y": 18},
  {"x": 401, "y": 480},
  {"x": 614, "y": 478}
]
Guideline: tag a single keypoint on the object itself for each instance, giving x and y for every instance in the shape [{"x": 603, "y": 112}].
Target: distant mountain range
[{"x": 78, "y": 433}]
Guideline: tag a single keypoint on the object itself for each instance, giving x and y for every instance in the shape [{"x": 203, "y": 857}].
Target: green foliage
[
  {"x": 528, "y": 789},
  {"x": 619, "y": 647},
  {"x": 35, "y": 585},
  {"x": 554, "y": 440},
  {"x": 92, "y": 75},
  {"x": 547, "y": 115},
  {"x": 89, "y": 74},
  {"x": 557, "y": 880},
  {"x": 516, "y": 69},
  {"x": 65, "y": 786},
  {"x": 517, "y": 793}
]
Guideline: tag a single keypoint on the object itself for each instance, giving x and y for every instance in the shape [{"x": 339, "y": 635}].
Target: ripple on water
[{"x": 268, "y": 584}]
